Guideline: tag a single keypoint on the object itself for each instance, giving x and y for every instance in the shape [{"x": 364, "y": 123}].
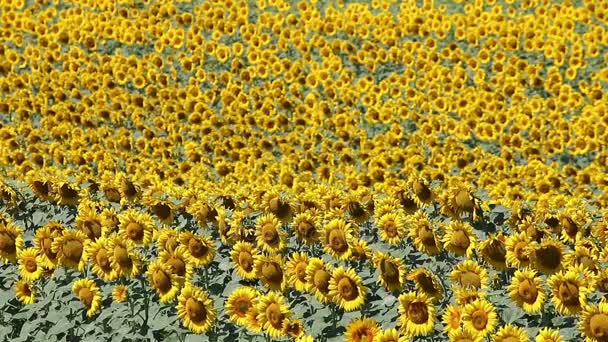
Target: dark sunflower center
[
  {"x": 102, "y": 259},
  {"x": 460, "y": 240},
  {"x": 121, "y": 255},
  {"x": 418, "y": 312},
  {"x": 479, "y": 318},
  {"x": 72, "y": 250},
  {"x": 549, "y": 257},
  {"x": 242, "y": 306},
  {"x": 496, "y": 251},
  {"x": 196, "y": 310},
  {"x": 568, "y": 293},
  {"x": 92, "y": 228},
  {"x": 274, "y": 315},
  {"x": 301, "y": 271},
  {"x": 177, "y": 265},
  {"x": 197, "y": 248},
  {"x": 464, "y": 201},
  {"x": 67, "y": 192},
  {"x": 355, "y": 210},
  {"x": 390, "y": 228},
  {"x": 163, "y": 211},
  {"x": 272, "y": 272},
  {"x": 348, "y": 289},
  {"x": 426, "y": 283},
  {"x": 527, "y": 291},
  {"x": 171, "y": 244},
  {"x": 421, "y": 190},
  {"x": 7, "y": 243},
  {"x": 270, "y": 234},
  {"x": 42, "y": 188},
  {"x": 470, "y": 279},
  {"x": 337, "y": 241},
  {"x": 520, "y": 251},
  {"x": 321, "y": 280},
  {"x": 86, "y": 296},
  {"x": 306, "y": 229},
  {"x": 569, "y": 226},
  {"x": 390, "y": 271},
  {"x": 598, "y": 325},
  {"x": 279, "y": 208},
  {"x": 30, "y": 265},
  {"x": 161, "y": 281},
  {"x": 425, "y": 234},
  {"x": 246, "y": 261}
]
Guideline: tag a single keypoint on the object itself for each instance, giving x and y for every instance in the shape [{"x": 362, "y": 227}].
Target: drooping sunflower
[
  {"x": 66, "y": 193},
  {"x": 346, "y": 289},
  {"x": 479, "y": 317},
  {"x": 195, "y": 308},
  {"x": 120, "y": 293},
  {"x": 98, "y": 254},
  {"x": 458, "y": 200},
  {"x": 391, "y": 271},
  {"x": 416, "y": 314},
  {"x": 41, "y": 185},
  {"x": 123, "y": 258},
  {"x": 318, "y": 276},
  {"x": 510, "y": 332},
  {"x": 548, "y": 335},
  {"x": 240, "y": 302},
  {"x": 424, "y": 236},
  {"x": 179, "y": 264},
  {"x": 307, "y": 225},
  {"x": 452, "y": 319},
  {"x": 421, "y": 188},
  {"x": 43, "y": 240},
  {"x": 570, "y": 290},
  {"x": 355, "y": 207},
  {"x": 277, "y": 203},
  {"x": 30, "y": 267},
  {"x": 200, "y": 249},
  {"x": 270, "y": 270},
  {"x": 527, "y": 290},
  {"x": 70, "y": 247},
  {"x": 494, "y": 251},
  {"x": 470, "y": 274},
  {"x": 163, "y": 208},
  {"x": 11, "y": 240},
  {"x": 272, "y": 312},
  {"x": 91, "y": 223},
  {"x": 243, "y": 256},
  {"x": 293, "y": 328},
  {"x": 162, "y": 280},
  {"x": 270, "y": 237},
  {"x": 459, "y": 238},
  {"x": 362, "y": 330},
  {"x": 518, "y": 250},
  {"x": 296, "y": 271},
  {"x": 25, "y": 292},
  {"x": 426, "y": 282},
  {"x": 89, "y": 295},
  {"x": 391, "y": 227},
  {"x": 136, "y": 227},
  {"x": 594, "y": 322},
  {"x": 167, "y": 239},
  {"x": 336, "y": 237},
  {"x": 548, "y": 256}
]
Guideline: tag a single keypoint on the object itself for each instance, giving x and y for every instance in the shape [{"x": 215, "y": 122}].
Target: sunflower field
[{"x": 306, "y": 170}]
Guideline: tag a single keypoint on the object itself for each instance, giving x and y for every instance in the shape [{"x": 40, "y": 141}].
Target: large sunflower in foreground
[
  {"x": 336, "y": 237},
  {"x": 346, "y": 289},
  {"x": 594, "y": 322},
  {"x": 98, "y": 254},
  {"x": 416, "y": 314},
  {"x": 480, "y": 317},
  {"x": 362, "y": 330},
  {"x": 391, "y": 271},
  {"x": 30, "y": 267},
  {"x": 70, "y": 246},
  {"x": 162, "y": 280},
  {"x": 243, "y": 256},
  {"x": 89, "y": 295},
  {"x": 527, "y": 290},
  {"x": 270, "y": 269},
  {"x": 272, "y": 311},
  {"x": 11, "y": 240},
  {"x": 195, "y": 309},
  {"x": 570, "y": 290},
  {"x": 200, "y": 249},
  {"x": 240, "y": 302},
  {"x": 136, "y": 227}
]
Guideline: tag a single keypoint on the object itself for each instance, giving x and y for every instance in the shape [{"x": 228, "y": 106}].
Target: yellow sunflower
[
  {"x": 548, "y": 256},
  {"x": 270, "y": 270},
  {"x": 91, "y": 223},
  {"x": 518, "y": 250},
  {"x": 355, "y": 208},
  {"x": 469, "y": 274},
  {"x": 240, "y": 302},
  {"x": 196, "y": 309},
  {"x": 549, "y": 335},
  {"x": 570, "y": 290},
  {"x": 164, "y": 209},
  {"x": 452, "y": 319},
  {"x": 293, "y": 328},
  {"x": 509, "y": 332},
  {"x": 318, "y": 276},
  {"x": 25, "y": 292},
  {"x": 458, "y": 199},
  {"x": 136, "y": 227},
  {"x": 594, "y": 322},
  {"x": 346, "y": 289},
  {"x": 479, "y": 317},
  {"x": 307, "y": 226},
  {"x": 296, "y": 271},
  {"x": 336, "y": 237},
  {"x": 70, "y": 246},
  {"x": 166, "y": 239},
  {"x": 466, "y": 295},
  {"x": 277, "y": 203},
  {"x": 270, "y": 237},
  {"x": 11, "y": 240},
  {"x": 43, "y": 240},
  {"x": 89, "y": 295},
  {"x": 583, "y": 256},
  {"x": 391, "y": 227},
  {"x": 30, "y": 267},
  {"x": 362, "y": 330},
  {"x": 179, "y": 264},
  {"x": 427, "y": 282},
  {"x": 252, "y": 322},
  {"x": 200, "y": 249},
  {"x": 461, "y": 335},
  {"x": 416, "y": 314},
  {"x": 272, "y": 312},
  {"x": 459, "y": 238},
  {"x": 527, "y": 290},
  {"x": 389, "y": 335},
  {"x": 98, "y": 254},
  {"x": 493, "y": 250},
  {"x": 65, "y": 193},
  {"x": 123, "y": 258},
  {"x": 120, "y": 293},
  {"x": 162, "y": 280},
  {"x": 361, "y": 250},
  {"x": 421, "y": 188},
  {"x": 424, "y": 236},
  {"x": 391, "y": 271},
  {"x": 41, "y": 185},
  {"x": 243, "y": 256}
]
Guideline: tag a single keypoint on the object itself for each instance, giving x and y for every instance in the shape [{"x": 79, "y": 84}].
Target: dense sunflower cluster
[{"x": 336, "y": 149}]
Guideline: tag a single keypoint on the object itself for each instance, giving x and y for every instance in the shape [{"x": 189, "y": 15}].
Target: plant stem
[{"x": 144, "y": 326}]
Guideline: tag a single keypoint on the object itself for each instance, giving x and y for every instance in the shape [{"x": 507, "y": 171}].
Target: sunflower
[
  {"x": 65, "y": 193},
  {"x": 25, "y": 292},
  {"x": 518, "y": 250},
  {"x": 423, "y": 194},
  {"x": 296, "y": 271},
  {"x": 466, "y": 295},
  {"x": 226, "y": 229},
  {"x": 391, "y": 227},
  {"x": 346, "y": 289},
  {"x": 548, "y": 256},
  {"x": 129, "y": 191},
  {"x": 162, "y": 208},
  {"x": 277, "y": 203},
  {"x": 30, "y": 267},
  {"x": 469, "y": 274},
  {"x": 70, "y": 246},
  {"x": 362, "y": 330},
  {"x": 361, "y": 251},
  {"x": 459, "y": 238},
  {"x": 162, "y": 280},
  {"x": 570, "y": 290},
  {"x": 509, "y": 332},
  {"x": 426, "y": 282},
  {"x": 389, "y": 335},
  {"x": 178, "y": 263},
  {"x": 41, "y": 185},
  {"x": 195, "y": 308},
  {"x": 336, "y": 237},
  {"x": 270, "y": 269},
  {"x": 240, "y": 302},
  {"x": 416, "y": 314},
  {"x": 594, "y": 322},
  {"x": 270, "y": 237},
  {"x": 355, "y": 208},
  {"x": 422, "y": 232},
  {"x": 123, "y": 258},
  {"x": 11, "y": 240},
  {"x": 98, "y": 254},
  {"x": 200, "y": 249},
  {"x": 293, "y": 328},
  {"x": 272, "y": 312},
  {"x": 167, "y": 239},
  {"x": 461, "y": 335},
  {"x": 89, "y": 295},
  {"x": 479, "y": 317},
  {"x": 306, "y": 226},
  {"x": 493, "y": 250},
  {"x": 91, "y": 223},
  {"x": 391, "y": 271},
  {"x": 43, "y": 240},
  {"x": 549, "y": 335},
  {"x": 243, "y": 255},
  {"x": 318, "y": 276},
  {"x": 527, "y": 290},
  {"x": 458, "y": 200},
  {"x": 120, "y": 293},
  {"x": 452, "y": 319},
  {"x": 136, "y": 227},
  {"x": 584, "y": 257},
  {"x": 252, "y": 322}
]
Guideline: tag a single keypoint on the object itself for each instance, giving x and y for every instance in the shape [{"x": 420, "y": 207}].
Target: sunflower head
[
  {"x": 494, "y": 251},
  {"x": 452, "y": 319},
  {"x": 196, "y": 310},
  {"x": 426, "y": 282},
  {"x": 307, "y": 226},
  {"x": 123, "y": 258},
  {"x": 336, "y": 237},
  {"x": 518, "y": 250},
  {"x": 469, "y": 274},
  {"x": 549, "y": 335},
  {"x": 391, "y": 271},
  {"x": 272, "y": 313},
  {"x": 270, "y": 237},
  {"x": 527, "y": 290},
  {"x": 30, "y": 265},
  {"x": 346, "y": 289},
  {"x": 548, "y": 256},
  {"x": 423, "y": 234},
  {"x": 391, "y": 227},
  {"x": 270, "y": 269},
  {"x": 179, "y": 263},
  {"x": 120, "y": 293},
  {"x": 89, "y": 295},
  {"x": 243, "y": 256},
  {"x": 459, "y": 238},
  {"x": 480, "y": 317},
  {"x": 199, "y": 249},
  {"x": 570, "y": 290},
  {"x": 70, "y": 247},
  {"x": 25, "y": 292},
  {"x": 162, "y": 280},
  {"x": 296, "y": 271},
  {"x": 509, "y": 332},
  {"x": 135, "y": 226},
  {"x": 240, "y": 303},
  {"x": 318, "y": 277},
  {"x": 416, "y": 314},
  {"x": 11, "y": 240},
  {"x": 362, "y": 329},
  {"x": 594, "y": 322}
]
